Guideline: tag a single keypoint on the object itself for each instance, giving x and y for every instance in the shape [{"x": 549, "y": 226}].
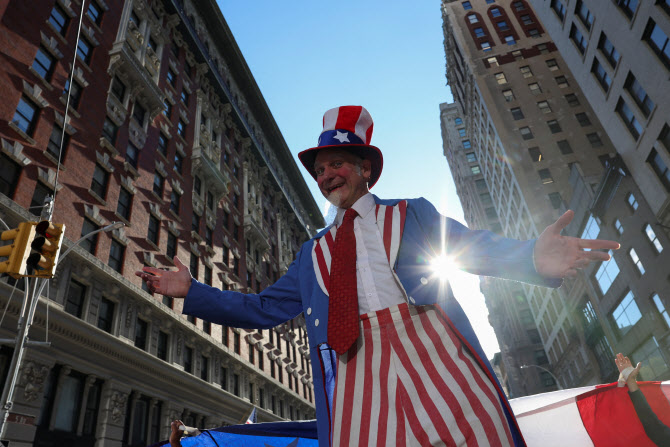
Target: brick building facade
[{"x": 166, "y": 131}]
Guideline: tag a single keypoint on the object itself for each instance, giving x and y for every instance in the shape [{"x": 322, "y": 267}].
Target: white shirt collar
[{"x": 362, "y": 206}]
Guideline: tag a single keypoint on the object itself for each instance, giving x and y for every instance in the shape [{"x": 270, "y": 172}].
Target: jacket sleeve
[
  {"x": 481, "y": 252},
  {"x": 274, "y": 305},
  {"x": 653, "y": 427}
]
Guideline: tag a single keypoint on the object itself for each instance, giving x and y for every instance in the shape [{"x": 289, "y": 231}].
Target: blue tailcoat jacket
[{"x": 480, "y": 252}]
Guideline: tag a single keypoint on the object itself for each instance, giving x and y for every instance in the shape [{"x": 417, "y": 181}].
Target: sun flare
[{"x": 444, "y": 267}]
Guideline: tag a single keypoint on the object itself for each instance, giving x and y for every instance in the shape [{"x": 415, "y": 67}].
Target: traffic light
[
  {"x": 46, "y": 244},
  {"x": 18, "y": 252}
]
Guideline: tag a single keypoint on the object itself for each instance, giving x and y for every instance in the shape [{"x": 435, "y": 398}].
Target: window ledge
[
  {"x": 159, "y": 198},
  {"x": 54, "y": 160},
  {"x": 44, "y": 82},
  {"x": 24, "y": 135},
  {"x": 152, "y": 244},
  {"x": 175, "y": 215},
  {"x": 72, "y": 110},
  {"x": 104, "y": 142},
  {"x": 97, "y": 197},
  {"x": 123, "y": 219}
]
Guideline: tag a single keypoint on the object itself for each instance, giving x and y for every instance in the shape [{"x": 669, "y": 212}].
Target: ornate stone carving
[
  {"x": 117, "y": 406},
  {"x": 32, "y": 379}
]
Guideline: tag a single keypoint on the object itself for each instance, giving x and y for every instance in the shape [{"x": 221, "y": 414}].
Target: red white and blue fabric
[
  {"x": 346, "y": 125},
  {"x": 410, "y": 381},
  {"x": 391, "y": 223}
]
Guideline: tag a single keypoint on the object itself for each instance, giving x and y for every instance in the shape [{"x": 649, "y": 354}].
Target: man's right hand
[{"x": 164, "y": 282}]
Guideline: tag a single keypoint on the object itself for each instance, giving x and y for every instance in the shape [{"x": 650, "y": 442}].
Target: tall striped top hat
[{"x": 350, "y": 128}]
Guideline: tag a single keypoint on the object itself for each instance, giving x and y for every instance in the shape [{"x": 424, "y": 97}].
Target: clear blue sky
[{"x": 310, "y": 56}]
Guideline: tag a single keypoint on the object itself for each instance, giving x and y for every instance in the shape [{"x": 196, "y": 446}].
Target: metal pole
[{"x": 558, "y": 384}]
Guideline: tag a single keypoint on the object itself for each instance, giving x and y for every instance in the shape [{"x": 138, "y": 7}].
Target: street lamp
[
  {"x": 25, "y": 321},
  {"x": 544, "y": 369}
]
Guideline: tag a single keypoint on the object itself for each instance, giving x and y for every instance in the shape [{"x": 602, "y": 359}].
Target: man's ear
[{"x": 366, "y": 168}]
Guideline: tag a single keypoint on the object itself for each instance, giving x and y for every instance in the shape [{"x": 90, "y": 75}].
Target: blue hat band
[{"x": 338, "y": 137}]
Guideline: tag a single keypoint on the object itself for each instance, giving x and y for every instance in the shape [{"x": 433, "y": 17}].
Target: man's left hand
[{"x": 558, "y": 256}]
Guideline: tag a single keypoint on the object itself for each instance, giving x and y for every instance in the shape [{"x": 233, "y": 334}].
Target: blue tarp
[{"x": 269, "y": 434}]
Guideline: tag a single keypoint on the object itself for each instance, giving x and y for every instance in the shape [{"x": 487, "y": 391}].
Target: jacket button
[
  {"x": 424, "y": 281},
  {"x": 316, "y": 322},
  {"x": 412, "y": 300},
  {"x": 309, "y": 311}
]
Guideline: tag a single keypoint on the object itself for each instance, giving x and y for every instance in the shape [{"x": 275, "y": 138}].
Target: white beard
[{"x": 335, "y": 198}]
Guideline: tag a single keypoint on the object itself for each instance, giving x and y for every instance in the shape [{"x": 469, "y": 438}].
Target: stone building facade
[
  {"x": 166, "y": 131},
  {"x": 524, "y": 144}
]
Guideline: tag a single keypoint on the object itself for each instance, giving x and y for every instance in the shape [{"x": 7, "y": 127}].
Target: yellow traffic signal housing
[
  {"x": 18, "y": 252},
  {"x": 46, "y": 245}
]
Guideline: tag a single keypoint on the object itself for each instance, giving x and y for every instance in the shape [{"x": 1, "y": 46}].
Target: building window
[
  {"x": 116, "y": 253},
  {"x": 535, "y": 88},
  {"x": 139, "y": 112},
  {"x": 57, "y": 139},
  {"x": 554, "y": 127},
  {"x": 526, "y": 133},
  {"x": 651, "y": 235},
  {"x": 466, "y": 5},
  {"x": 118, "y": 88},
  {"x": 9, "y": 175},
  {"x": 125, "y": 203},
  {"x": 526, "y": 72},
  {"x": 188, "y": 359},
  {"x": 74, "y": 302},
  {"x": 195, "y": 222},
  {"x": 618, "y": 226},
  {"x": 626, "y": 314},
  {"x": 578, "y": 38},
  {"x": 75, "y": 95},
  {"x": 171, "y": 77},
  {"x": 594, "y": 139},
  {"x": 508, "y": 95},
  {"x": 152, "y": 231},
  {"x": 632, "y": 201},
  {"x": 184, "y": 97},
  {"x": 636, "y": 260},
  {"x": 167, "y": 109},
  {"x": 479, "y": 32},
  {"x": 44, "y": 63},
  {"x": 502, "y": 25},
  {"x": 527, "y": 19},
  {"x": 109, "y": 130},
  {"x": 159, "y": 184},
  {"x": 162, "y": 346},
  {"x": 162, "y": 144},
  {"x": 106, "y": 314},
  {"x": 193, "y": 265},
  {"x": 25, "y": 116},
  {"x": 466, "y": 144},
  {"x": 472, "y": 18},
  {"x": 583, "y": 119},
  {"x": 175, "y": 199},
  {"x": 40, "y": 193},
  {"x": 564, "y": 147},
  {"x": 181, "y": 128},
  {"x": 236, "y": 342},
  {"x": 204, "y": 368},
  {"x": 561, "y": 81},
  {"x": 661, "y": 308},
  {"x": 509, "y": 40},
  {"x": 627, "y": 6},
  {"x": 500, "y": 78},
  {"x": 584, "y": 14},
  {"x": 471, "y": 157},
  {"x": 658, "y": 41},
  {"x": 606, "y": 274},
  {"x": 654, "y": 366},
  {"x": 535, "y": 154},
  {"x": 178, "y": 162},
  {"x": 639, "y": 94},
  {"x": 85, "y": 50},
  {"x": 475, "y": 170},
  {"x": 132, "y": 155},
  {"x": 607, "y": 49},
  {"x": 208, "y": 276},
  {"x": 559, "y": 9},
  {"x": 660, "y": 168},
  {"x": 94, "y": 12},
  {"x": 626, "y": 114},
  {"x": 572, "y": 100},
  {"x": 90, "y": 242},
  {"x": 59, "y": 19},
  {"x": 100, "y": 181},
  {"x": 485, "y": 46},
  {"x": 545, "y": 176},
  {"x": 495, "y": 12},
  {"x": 236, "y": 384},
  {"x": 141, "y": 327},
  {"x": 544, "y": 106},
  {"x": 517, "y": 114},
  {"x": 519, "y": 5},
  {"x": 556, "y": 200},
  {"x": 171, "y": 250}
]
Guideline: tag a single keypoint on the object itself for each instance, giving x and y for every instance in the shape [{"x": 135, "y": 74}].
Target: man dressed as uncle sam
[{"x": 395, "y": 359}]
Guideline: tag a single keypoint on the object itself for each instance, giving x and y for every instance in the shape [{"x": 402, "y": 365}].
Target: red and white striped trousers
[{"x": 409, "y": 381}]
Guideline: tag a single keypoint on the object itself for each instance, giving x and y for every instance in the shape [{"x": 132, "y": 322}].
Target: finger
[
  {"x": 571, "y": 273},
  {"x": 178, "y": 263},
  {"x": 589, "y": 256},
  {"x": 563, "y": 221},
  {"x": 598, "y": 244},
  {"x": 153, "y": 271}
]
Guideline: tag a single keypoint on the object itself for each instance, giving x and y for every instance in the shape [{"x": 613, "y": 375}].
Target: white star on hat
[{"x": 342, "y": 137}]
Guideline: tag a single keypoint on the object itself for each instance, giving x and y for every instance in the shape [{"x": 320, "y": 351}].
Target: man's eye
[{"x": 337, "y": 164}]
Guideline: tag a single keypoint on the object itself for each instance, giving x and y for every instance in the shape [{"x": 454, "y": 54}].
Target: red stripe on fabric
[
  {"x": 388, "y": 231},
  {"x": 377, "y": 212},
  {"x": 459, "y": 377},
  {"x": 454, "y": 333},
  {"x": 400, "y": 434},
  {"x": 366, "y": 408},
  {"x": 402, "y": 207},
  {"x": 384, "y": 365},
  {"x": 347, "y": 117},
  {"x": 323, "y": 267},
  {"x": 329, "y": 240},
  {"x": 348, "y": 398},
  {"x": 414, "y": 423},
  {"x": 657, "y": 400},
  {"x": 325, "y": 395},
  {"x": 612, "y": 404},
  {"x": 427, "y": 402}
]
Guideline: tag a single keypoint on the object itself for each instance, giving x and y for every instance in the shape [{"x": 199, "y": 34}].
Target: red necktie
[{"x": 343, "y": 302}]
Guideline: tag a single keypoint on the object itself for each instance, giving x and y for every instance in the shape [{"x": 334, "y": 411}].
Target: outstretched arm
[
  {"x": 656, "y": 430},
  {"x": 171, "y": 283}
]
